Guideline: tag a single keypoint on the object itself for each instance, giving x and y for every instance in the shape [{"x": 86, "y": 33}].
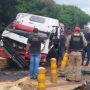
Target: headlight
[{"x": 1, "y": 43}]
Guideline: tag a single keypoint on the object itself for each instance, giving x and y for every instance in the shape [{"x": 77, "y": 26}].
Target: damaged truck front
[{"x": 15, "y": 35}]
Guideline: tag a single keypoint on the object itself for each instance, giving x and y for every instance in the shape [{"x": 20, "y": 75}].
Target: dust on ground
[{"x": 18, "y": 79}]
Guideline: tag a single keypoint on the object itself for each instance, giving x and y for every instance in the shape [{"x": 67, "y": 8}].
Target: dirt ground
[{"x": 18, "y": 79}]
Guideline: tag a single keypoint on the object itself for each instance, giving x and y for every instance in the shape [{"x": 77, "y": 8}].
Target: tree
[{"x": 67, "y": 14}]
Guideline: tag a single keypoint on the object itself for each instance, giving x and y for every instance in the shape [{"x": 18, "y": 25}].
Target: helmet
[{"x": 77, "y": 29}]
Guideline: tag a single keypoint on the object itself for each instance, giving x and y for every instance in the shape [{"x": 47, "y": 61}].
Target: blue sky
[{"x": 84, "y": 5}]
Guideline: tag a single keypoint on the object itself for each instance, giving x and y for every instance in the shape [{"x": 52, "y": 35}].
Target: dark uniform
[
  {"x": 86, "y": 49},
  {"x": 62, "y": 42},
  {"x": 35, "y": 53},
  {"x": 75, "y": 44},
  {"x": 35, "y": 44}
]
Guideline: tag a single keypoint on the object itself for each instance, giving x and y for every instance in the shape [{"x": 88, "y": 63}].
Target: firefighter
[{"x": 75, "y": 44}]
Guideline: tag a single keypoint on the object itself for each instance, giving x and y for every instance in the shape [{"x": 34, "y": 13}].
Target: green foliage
[{"x": 68, "y": 14}]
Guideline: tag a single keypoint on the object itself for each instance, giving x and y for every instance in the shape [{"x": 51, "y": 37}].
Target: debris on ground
[
  {"x": 84, "y": 72},
  {"x": 3, "y": 63},
  {"x": 16, "y": 79},
  {"x": 30, "y": 84}
]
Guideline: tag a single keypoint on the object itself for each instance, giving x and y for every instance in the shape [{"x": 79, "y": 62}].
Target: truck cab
[{"x": 15, "y": 35}]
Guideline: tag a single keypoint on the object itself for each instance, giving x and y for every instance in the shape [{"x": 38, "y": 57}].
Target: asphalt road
[{"x": 13, "y": 74}]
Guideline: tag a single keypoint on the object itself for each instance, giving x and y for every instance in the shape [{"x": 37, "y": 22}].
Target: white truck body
[
  {"x": 23, "y": 40},
  {"x": 44, "y": 24},
  {"x": 21, "y": 28}
]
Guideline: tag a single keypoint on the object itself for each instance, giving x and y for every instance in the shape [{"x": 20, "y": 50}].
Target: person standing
[
  {"x": 86, "y": 49},
  {"x": 62, "y": 42},
  {"x": 75, "y": 44},
  {"x": 34, "y": 45}
]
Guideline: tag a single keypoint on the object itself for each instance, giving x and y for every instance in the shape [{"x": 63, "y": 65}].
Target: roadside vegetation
[{"x": 68, "y": 14}]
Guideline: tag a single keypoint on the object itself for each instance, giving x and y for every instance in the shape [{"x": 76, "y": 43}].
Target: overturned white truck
[{"x": 15, "y": 35}]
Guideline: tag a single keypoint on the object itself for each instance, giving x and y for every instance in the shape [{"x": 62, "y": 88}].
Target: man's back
[
  {"x": 35, "y": 43},
  {"x": 69, "y": 38},
  {"x": 76, "y": 42}
]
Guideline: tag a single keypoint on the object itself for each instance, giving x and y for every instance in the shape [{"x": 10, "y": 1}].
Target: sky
[{"x": 84, "y": 5}]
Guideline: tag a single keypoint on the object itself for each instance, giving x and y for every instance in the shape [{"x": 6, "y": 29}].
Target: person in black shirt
[
  {"x": 62, "y": 42},
  {"x": 86, "y": 49},
  {"x": 34, "y": 42}
]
